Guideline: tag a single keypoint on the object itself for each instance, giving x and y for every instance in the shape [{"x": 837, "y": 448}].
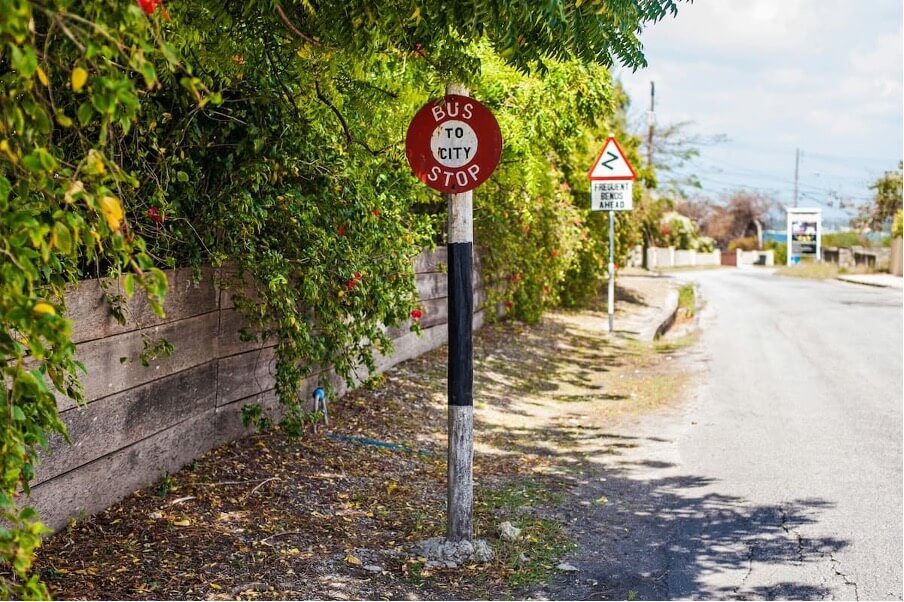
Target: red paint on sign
[{"x": 453, "y": 144}]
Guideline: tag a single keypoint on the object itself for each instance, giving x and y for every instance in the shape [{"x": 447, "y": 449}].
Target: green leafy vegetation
[
  {"x": 846, "y": 239},
  {"x": 886, "y": 204},
  {"x": 265, "y": 139}
]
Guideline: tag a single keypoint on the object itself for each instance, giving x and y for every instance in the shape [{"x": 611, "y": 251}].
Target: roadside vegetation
[
  {"x": 140, "y": 135},
  {"x": 818, "y": 271}
]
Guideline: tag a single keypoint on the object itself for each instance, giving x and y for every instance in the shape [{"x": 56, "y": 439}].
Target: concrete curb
[
  {"x": 864, "y": 282},
  {"x": 664, "y": 319}
]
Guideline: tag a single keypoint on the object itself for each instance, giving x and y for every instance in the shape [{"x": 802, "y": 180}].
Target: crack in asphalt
[
  {"x": 844, "y": 576},
  {"x": 788, "y": 530},
  {"x": 749, "y": 569}
]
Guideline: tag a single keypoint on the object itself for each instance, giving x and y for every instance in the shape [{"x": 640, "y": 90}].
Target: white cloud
[{"x": 776, "y": 75}]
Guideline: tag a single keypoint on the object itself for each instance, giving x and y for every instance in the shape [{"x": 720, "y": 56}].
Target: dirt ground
[{"x": 335, "y": 515}]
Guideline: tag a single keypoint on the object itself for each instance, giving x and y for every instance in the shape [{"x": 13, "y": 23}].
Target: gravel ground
[{"x": 332, "y": 516}]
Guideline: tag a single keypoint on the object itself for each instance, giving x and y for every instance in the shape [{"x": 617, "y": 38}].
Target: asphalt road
[{"x": 782, "y": 477}]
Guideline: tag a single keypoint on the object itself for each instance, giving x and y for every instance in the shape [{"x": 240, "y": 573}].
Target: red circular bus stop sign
[{"x": 453, "y": 144}]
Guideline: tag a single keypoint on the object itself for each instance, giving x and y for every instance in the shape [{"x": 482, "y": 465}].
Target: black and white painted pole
[
  {"x": 453, "y": 145},
  {"x": 461, "y": 371}
]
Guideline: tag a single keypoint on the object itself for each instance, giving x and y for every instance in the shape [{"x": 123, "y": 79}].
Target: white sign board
[
  {"x": 611, "y": 179},
  {"x": 804, "y": 234},
  {"x": 611, "y": 195}
]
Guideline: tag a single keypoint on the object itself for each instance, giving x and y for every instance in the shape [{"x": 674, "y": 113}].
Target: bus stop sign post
[{"x": 453, "y": 144}]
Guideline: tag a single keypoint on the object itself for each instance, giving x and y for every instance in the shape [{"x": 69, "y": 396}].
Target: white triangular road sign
[{"x": 611, "y": 164}]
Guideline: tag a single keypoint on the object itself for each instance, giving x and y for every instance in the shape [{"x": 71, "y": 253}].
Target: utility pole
[
  {"x": 796, "y": 172},
  {"x": 460, "y": 245},
  {"x": 651, "y": 122}
]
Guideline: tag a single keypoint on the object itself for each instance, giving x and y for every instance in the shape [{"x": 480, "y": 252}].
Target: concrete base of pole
[
  {"x": 451, "y": 554},
  {"x": 461, "y": 473}
]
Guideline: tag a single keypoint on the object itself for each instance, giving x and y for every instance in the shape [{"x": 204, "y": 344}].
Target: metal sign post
[
  {"x": 453, "y": 145},
  {"x": 611, "y": 189},
  {"x": 611, "y": 270}
]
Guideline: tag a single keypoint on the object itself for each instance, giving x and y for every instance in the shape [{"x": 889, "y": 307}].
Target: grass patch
[
  {"x": 815, "y": 271},
  {"x": 688, "y": 268},
  {"x": 524, "y": 493},
  {"x": 818, "y": 271},
  {"x": 530, "y": 559},
  {"x": 676, "y": 344},
  {"x": 687, "y": 300}
]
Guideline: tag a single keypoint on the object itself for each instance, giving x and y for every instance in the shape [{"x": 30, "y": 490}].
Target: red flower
[
  {"x": 416, "y": 314},
  {"x": 509, "y": 305},
  {"x": 148, "y": 6},
  {"x": 376, "y": 212},
  {"x": 340, "y": 231},
  {"x": 554, "y": 252},
  {"x": 351, "y": 283},
  {"x": 517, "y": 278},
  {"x": 357, "y": 276},
  {"x": 155, "y": 215}
]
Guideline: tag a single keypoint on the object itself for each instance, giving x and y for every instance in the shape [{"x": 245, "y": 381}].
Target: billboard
[{"x": 804, "y": 234}]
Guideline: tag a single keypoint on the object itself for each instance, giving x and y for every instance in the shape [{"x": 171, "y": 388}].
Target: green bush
[
  {"x": 780, "y": 251},
  {"x": 845, "y": 239},
  {"x": 748, "y": 243}
]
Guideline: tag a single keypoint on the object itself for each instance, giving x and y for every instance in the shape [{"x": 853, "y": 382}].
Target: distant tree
[
  {"x": 698, "y": 209},
  {"x": 885, "y": 204},
  {"x": 742, "y": 214}
]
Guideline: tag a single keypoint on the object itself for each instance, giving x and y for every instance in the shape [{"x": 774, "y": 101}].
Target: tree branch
[
  {"x": 349, "y": 137},
  {"x": 295, "y": 30}
]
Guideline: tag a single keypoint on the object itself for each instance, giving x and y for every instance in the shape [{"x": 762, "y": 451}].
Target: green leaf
[
  {"x": 128, "y": 284},
  {"x": 149, "y": 74},
  {"x": 25, "y": 63},
  {"x": 85, "y": 112},
  {"x": 61, "y": 237}
]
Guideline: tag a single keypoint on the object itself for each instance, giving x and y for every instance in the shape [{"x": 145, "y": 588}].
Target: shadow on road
[{"x": 648, "y": 537}]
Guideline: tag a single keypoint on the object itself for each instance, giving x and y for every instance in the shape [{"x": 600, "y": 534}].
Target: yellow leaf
[
  {"x": 42, "y": 77},
  {"x": 353, "y": 560},
  {"x": 79, "y": 77},
  {"x": 111, "y": 208},
  {"x": 74, "y": 188},
  {"x": 4, "y": 148},
  {"x": 182, "y": 523},
  {"x": 392, "y": 486},
  {"x": 44, "y": 308},
  {"x": 215, "y": 586},
  {"x": 94, "y": 163}
]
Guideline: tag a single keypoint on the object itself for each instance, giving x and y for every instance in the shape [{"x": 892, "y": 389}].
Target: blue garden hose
[{"x": 383, "y": 444}]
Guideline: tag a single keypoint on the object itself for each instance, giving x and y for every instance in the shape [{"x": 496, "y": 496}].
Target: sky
[{"x": 770, "y": 77}]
